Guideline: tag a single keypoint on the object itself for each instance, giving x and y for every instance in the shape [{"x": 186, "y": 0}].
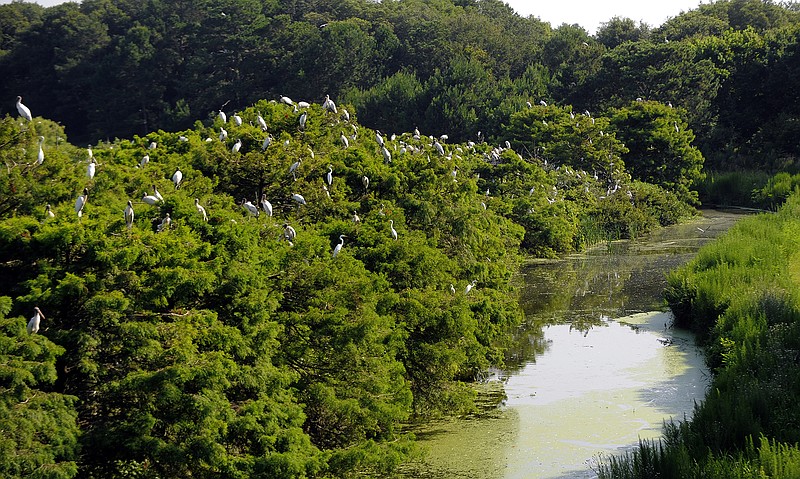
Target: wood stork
[
  {"x": 365, "y": 182},
  {"x": 266, "y": 143},
  {"x": 439, "y": 147},
  {"x": 287, "y": 101},
  {"x": 266, "y": 205},
  {"x": 356, "y": 219},
  {"x": 35, "y": 321},
  {"x": 177, "y": 177},
  {"x": 237, "y": 120},
  {"x": 379, "y": 137},
  {"x": 470, "y": 286},
  {"x": 303, "y": 119},
  {"x": 200, "y": 209},
  {"x": 303, "y": 104},
  {"x": 237, "y": 146},
  {"x": 48, "y": 211},
  {"x": 250, "y": 207},
  {"x": 289, "y": 233},
  {"x": 165, "y": 224},
  {"x": 338, "y": 247},
  {"x": 329, "y": 105},
  {"x": 223, "y": 134},
  {"x": 344, "y": 140},
  {"x": 223, "y": 117},
  {"x": 392, "y": 230},
  {"x": 153, "y": 145},
  {"x": 80, "y": 203},
  {"x": 40, "y": 156},
  {"x": 129, "y": 215},
  {"x": 293, "y": 168},
  {"x": 23, "y": 110},
  {"x": 329, "y": 176},
  {"x": 262, "y": 123},
  {"x": 145, "y": 160},
  {"x": 345, "y": 115},
  {"x": 387, "y": 157},
  {"x": 299, "y": 198}
]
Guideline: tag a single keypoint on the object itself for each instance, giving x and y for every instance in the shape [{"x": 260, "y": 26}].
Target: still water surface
[{"x": 597, "y": 367}]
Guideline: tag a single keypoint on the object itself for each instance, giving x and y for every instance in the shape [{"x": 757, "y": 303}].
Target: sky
[
  {"x": 587, "y": 13},
  {"x": 591, "y": 13}
]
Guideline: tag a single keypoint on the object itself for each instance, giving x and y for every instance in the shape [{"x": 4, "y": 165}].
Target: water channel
[{"x": 597, "y": 367}]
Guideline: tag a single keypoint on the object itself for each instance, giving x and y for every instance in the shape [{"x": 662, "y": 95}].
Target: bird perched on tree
[
  {"x": 266, "y": 143},
  {"x": 262, "y": 123},
  {"x": 165, "y": 224},
  {"x": 48, "y": 211},
  {"x": 91, "y": 168},
  {"x": 80, "y": 203},
  {"x": 299, "y": 198},
  {"x": 365, "y": 182},
  {"x": 250, "y": 207},
  {"x": 33, "y": 324},
  {"x": 344, "y": 140},
  {"x": 145, "y": 160},
  {"x": 303, "y": 119},
  {"x": 223, "y": 117},
  {"x": 328, "y": 104},
  {"x": 289, "y": 233},
  {"x": 266, "y": 205},
  {"x": 329, "y": 176},
  {"x": 237, "y": 146},
  {"x": 23, "y": 110},
  {"x": 177, "y": 177},
  {"x": 338, "y": 247},
  {"x": 470, "y": 286},
  {"x": 392, "y": 230},
  {"x": 129, "y": 215},
  {"x": 293, "y": 168},
  {"x": 200, "y": 209},
  {"x": 40, "y": 156}
]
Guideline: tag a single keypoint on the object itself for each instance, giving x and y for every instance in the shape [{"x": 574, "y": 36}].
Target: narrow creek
[{"x": 597, "y": 367}]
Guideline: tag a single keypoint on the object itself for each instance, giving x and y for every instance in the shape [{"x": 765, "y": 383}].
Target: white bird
[
  {"x": 150, "y": 200},
  {"x": 393, "y": 231},
  {"x": 338, "y": 247},
  {"x": 177, "y": 177},
  {"x": 200, "y": 209},
  {"x": 237, "y": 120},
  {"x": 303, "y": 104},
  {"x": 310, "y": 152},
  {"x": 345, "y": 142},
  {"x": 287, "y": 100},
  {"x": 289, "y": 233},
  {"x": 387, "y": 157},
  {"x": 80, "y": 203},
  {"x": 452, "y": 289},
  {"x": 262, "y": 123},
  {"x": 33, "y": 324},
  {"x": 266, "y": 143},
  {"x": 223, "y": 134},
  {"x": 91, "y": 168},
  {"x": 23, "y": 110},
  {"x": 165, "y": 224},
  {"x": 129, "y": 214},
  {"x": 345, "y": 114},
  {"x": 356, "y": 219},
  {"x": 470, "y": 286},
  {"x": 378, "y": 137},
  {"x": 439, "y": 147},
  {"x": 542, "y": 102},
  {"x": 145, "y": 160},
  {"x": 329, "y": 176},
  {"x": 89, "y": 152},
  {"x": 183, "y": 139},
  {"x": 266, "y": 205},
  {"x": 365, "y": 182},
  {"x": 40, "y": 156},
  {"x": 299, "y": 198},
  {"x": 303, "y": 119},
  {"x": 250, "y": 207},
  {"x": 293, "y": 168},
  {"x": 223, "y": 117},
  {"x": 153, "y": 145},
  {"x": 328, "y": 104},
  {"x": 237, "y": 146},
  {"x": 48, "y": 211},
  {"x": 157, "y": 194}
]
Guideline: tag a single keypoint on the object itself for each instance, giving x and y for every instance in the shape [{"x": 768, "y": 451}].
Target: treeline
[
  {"x": 291, "y": 287},
  {"x": 115, "y": 68},
  {"x": 741, "y": 295}
]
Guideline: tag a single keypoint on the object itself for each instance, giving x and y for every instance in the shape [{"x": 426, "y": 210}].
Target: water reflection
[{"x": 596, "y": 367}]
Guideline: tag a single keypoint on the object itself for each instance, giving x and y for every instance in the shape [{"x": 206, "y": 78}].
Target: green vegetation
[
  {"x": 220, "y": 343},
  {"x": 741, "y": 295}
]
